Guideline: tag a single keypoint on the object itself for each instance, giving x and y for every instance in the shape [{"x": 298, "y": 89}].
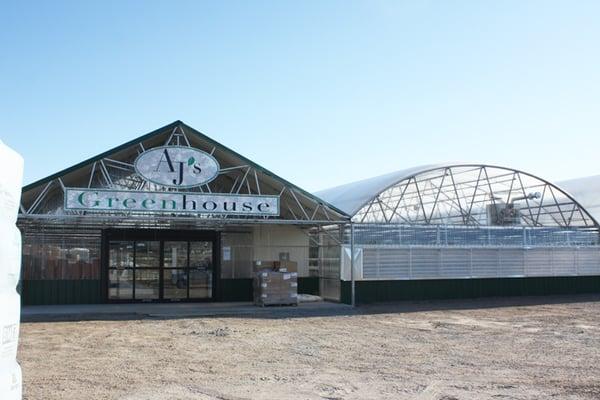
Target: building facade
[
  {"x": 170, "y": 216},
  {"x": 465, "y": 230},
  {"x": 176, "y": 216}
]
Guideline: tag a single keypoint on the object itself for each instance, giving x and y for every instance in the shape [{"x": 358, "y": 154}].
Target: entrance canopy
[{"x": 172, "y": 174}]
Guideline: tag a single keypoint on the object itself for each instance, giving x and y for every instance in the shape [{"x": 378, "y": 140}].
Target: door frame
[{"x": 162, "y": 235}]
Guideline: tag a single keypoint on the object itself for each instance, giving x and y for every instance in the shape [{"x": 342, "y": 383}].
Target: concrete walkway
[{"x": 88, "y": 312}]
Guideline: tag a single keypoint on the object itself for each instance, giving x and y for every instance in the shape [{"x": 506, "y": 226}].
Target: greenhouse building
[
  {"x": 464, "y": 230},
  {"x": 175, "y": 216}
]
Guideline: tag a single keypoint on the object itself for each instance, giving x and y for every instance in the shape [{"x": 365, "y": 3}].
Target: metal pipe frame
[
  {"x": 460, "y": 194},
  {"x": 118, "y": 172}
]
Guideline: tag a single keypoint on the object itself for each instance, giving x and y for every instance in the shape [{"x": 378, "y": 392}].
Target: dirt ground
[{"x": 473, "y": 350}]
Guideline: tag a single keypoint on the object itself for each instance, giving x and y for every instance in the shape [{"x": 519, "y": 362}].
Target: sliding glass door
[
  {"x": 146, "y": 273},
  {"x": 187, "y": 270},
  {"x": 201, "y": 270},
  {"x": 133, "y": 270},
  {"x": 167, "y": 270}
]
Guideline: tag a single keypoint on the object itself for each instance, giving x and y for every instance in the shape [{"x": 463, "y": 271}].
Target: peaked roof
[
  {"x": 107, "y": 153},
  {"x": 37, "y": 185}
]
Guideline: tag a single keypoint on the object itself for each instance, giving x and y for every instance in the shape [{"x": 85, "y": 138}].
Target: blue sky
[{"x": 320, "y": 92}]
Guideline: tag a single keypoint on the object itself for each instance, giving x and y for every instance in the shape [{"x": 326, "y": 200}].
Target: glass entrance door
[
  {"x": 187, "y": 270},
  {"x": 133, "y": 270},
  {"x": 120, "y": 270},
  {"x": 147, "y": 265},
  {"x": 201, "y": 270},
  {"x": 175, "y": 270},
  {"x": 152, "y": 270}
]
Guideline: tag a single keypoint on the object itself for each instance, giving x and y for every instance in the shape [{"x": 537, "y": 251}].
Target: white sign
[
  {"x": 177, "y": 166},
  {"x": 170, "y": 202},
  {"x": 346, "y": 270},
  {"x": 226, "y": 253}
]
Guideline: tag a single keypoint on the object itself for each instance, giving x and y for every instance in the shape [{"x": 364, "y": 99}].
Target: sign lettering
[
  {"x": 177, "y": 166},
  {"x": 170, "y": 202}
]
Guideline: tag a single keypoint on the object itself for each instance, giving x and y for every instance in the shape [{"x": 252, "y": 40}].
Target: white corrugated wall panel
[
  {"x": 425, "y": 263},
  {"x": 484, "y": 263},
  {"x": 511, "y": 262},
  {"x": 588, "y": 261},
  {"x": 563, "y": 262},
  {"x": 456, "y": 263},
  {"x": 371, "y": 263},
  {"x": 394, "y": 263},
  {"x": 538, "y": 262}
]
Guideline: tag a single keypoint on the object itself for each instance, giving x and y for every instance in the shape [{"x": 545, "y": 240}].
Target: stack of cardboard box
[{"x": 275, "y": 283}]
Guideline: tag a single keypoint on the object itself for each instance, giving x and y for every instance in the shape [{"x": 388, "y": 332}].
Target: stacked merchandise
[
  {"x": 275, "y": 283},
  {"x": 11, "y": 175}
]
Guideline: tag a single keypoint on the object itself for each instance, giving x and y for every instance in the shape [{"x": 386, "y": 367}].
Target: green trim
[
  {"x": 382, "y": 291},
  {"x": 308, "y": 285},
  {"x": 198, "y": 134},
  {"x": 44, "y": 292},
  {"x": 89, "y": 291},
  {"x": 235, "y": 290}
]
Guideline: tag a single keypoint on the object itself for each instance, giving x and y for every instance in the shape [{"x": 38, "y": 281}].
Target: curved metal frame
[{"x": 367, "y": 213}]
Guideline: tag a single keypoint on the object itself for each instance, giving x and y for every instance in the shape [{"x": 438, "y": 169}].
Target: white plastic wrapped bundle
[
  {"x": 9, "y": 326},
  {"x": 11, "y": 382},
  {"x": 11, "y": 176},
  {"x": 10, "y": 256}
]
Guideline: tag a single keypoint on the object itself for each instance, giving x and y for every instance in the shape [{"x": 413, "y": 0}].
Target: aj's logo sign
[{"x": 177, "y": 166}]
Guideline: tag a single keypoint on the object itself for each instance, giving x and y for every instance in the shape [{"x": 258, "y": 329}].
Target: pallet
[{"x": 295, "y": 304}]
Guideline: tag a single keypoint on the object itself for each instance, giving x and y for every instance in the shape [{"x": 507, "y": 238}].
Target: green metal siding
[
  {"x": 235, "y": 290},
  {"x": 46, "y": 292},
  {"x": 380, "y": 291},
  {"x": 308, "y": 285},
  {"x": 42, "y": 292}
]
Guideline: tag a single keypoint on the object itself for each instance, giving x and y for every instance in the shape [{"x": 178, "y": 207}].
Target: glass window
[
  {"x": 200, "y": 284},
  {"x": 175, "y": 283},
  {"x": 175, "y": 254},
  {"x": 146, "y": 284},
  {"x": 201, "y": 255},
  {"x": 147, "y": 254},
  {"x": 67, "y": 254},
  {"x": 200, "y": 270},
  {"x": 121, "y": 254},
  {"x": 120, "y": 284}
]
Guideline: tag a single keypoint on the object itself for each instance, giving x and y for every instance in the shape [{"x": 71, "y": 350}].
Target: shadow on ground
[{"x": 116, "y": 312}]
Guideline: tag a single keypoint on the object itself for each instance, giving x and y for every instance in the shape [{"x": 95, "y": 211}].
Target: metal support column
[{"x": 353, "y": 295}]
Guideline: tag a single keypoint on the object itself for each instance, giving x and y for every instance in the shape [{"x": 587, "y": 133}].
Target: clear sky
[{"x": 319, "y": 92}]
